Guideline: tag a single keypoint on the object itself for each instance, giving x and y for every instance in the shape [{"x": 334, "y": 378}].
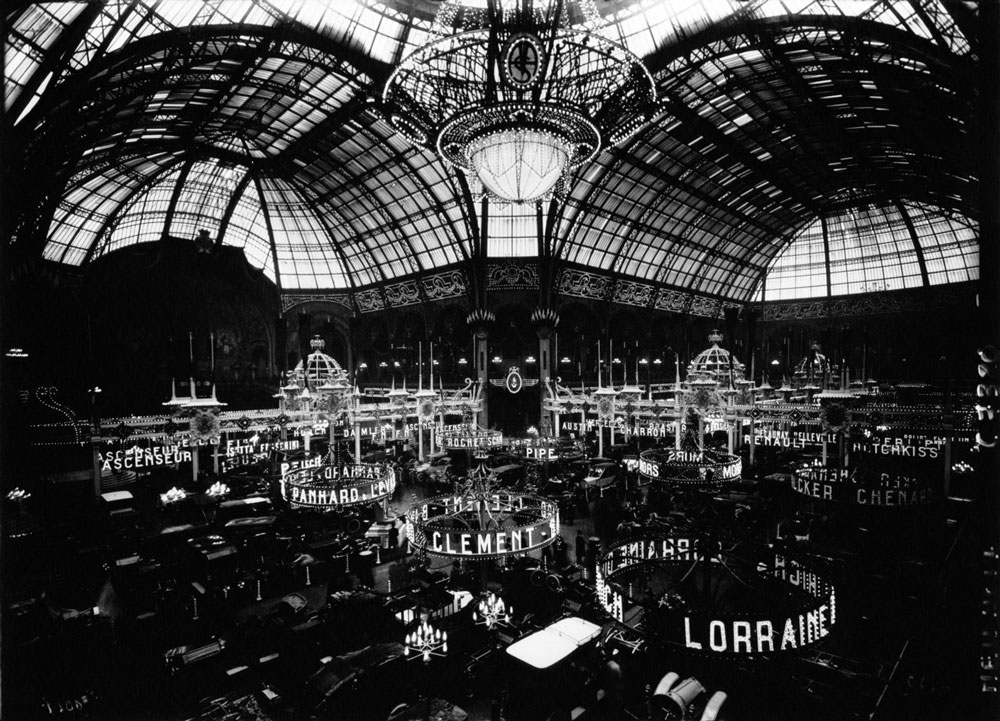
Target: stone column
[
  {"x": 545, "y": 321},
  {"x": 479, "y": 321}
]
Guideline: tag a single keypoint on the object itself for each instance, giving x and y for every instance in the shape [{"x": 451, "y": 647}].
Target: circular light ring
[
  {"x": 410, "y": 130},
  {"x": 450, "y": 525},
  {"x": 726, "y": 635},
  {"x": 841, "y": 485},
  {"x": 466, "y": 438},
  {"x": 689, "y": 468},
  {"x": 569, "y": 127},
  {"x": 332, "y": 487}
]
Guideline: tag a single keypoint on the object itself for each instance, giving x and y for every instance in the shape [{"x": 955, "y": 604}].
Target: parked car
[
  {"x": 510, "y": 475},
  {"x": 438, "y": 468},
  {"x": 601, "y": 477}
]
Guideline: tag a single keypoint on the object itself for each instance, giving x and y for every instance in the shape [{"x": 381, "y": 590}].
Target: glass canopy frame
[{"x": 251, "y": 120}]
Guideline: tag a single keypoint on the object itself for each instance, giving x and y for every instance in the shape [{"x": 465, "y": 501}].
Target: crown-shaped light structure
[
  {"x": 424, "y": 642},
  {"x": 492, "y": 611},
  {"x": 518, "y": 94}
]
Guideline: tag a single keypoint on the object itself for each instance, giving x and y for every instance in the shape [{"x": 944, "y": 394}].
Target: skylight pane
[
  {"x": 247, "y": 229},
  {"x": 871, "y": 250},
  {"x": 513, "y": 230},
  {"x": 203, "y": 200}
]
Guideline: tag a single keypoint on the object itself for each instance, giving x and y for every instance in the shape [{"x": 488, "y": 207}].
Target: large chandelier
[{"x": 518, "y": 97}]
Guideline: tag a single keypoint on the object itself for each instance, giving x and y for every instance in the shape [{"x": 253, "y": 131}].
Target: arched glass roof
[
  {"x": 252, "y": 119},
  {"x": 872, "y": 249}
]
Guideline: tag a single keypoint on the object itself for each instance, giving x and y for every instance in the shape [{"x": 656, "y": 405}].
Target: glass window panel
[{"x": 871, "y": 250}]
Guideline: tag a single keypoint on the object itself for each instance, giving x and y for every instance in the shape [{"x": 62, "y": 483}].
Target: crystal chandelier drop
[{"x": 518, "y": 94}]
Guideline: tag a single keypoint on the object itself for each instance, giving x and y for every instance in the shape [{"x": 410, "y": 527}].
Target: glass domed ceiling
[{"x": 251, "y": 120}]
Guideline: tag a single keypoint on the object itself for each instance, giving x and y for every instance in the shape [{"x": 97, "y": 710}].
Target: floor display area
[
  {"x": 807, "y": 558},
  {"x": 500, "y": 360}
]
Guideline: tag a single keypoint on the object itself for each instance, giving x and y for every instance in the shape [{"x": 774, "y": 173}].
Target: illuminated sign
[
  {"x": 541, "y": 454},
  {"x": 536, "y": 449},
  {"x": 733, "y": 635},
  {"x": 908, "y": 447},
  {"x": 514, "y": 382},
  {"x": 136, "y": 457},
  {"x": 491, "y": 543},
  {"x": 287, "y": 467},
  {"x": 244, "y": 451},
  {"x": 646, "y": 429},
  {"x": 329, "y": 487},
  {"x": 689, "y": 467},
  {"x": 795, "y": 439},
  {"x": 470, "y": 438},
  {"x": 885, "y": 490},
  {"x": 446, "y": 525},
  {"x": 742, "y": 636}
]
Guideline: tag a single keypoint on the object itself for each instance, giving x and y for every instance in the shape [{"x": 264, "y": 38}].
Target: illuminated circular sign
[
  {"x": 811, "y": 608},
  {"x": 692, "y": 468},
  {"x": 522, "y": 60},
  {"x": 883, "y": 490},
  {"x": 514, "y": 382},
  {"x": 487, "y": 525},
  {"x": 331, "y": 487}
]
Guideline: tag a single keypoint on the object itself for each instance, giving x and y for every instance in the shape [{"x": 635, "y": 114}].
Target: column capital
[
  {"x": 545, "y": 321},
  {"x": 479, "y": 320}
]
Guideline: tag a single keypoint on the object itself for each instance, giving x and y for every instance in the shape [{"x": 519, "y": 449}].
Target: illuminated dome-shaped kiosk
[
  {"x": 318, "y": 383},
  {"x": 816, "y": 370},
  {"x": 318, "y": 369},
  {"x": 715, "y": 364}
]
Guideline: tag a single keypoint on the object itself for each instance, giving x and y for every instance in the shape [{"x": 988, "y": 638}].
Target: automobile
[
  {"x": 601, "y": 476},
  {"x": 438, "y": 468},
  {"x": 509, "y": 475},
  {"x": 496, "y": 460}
]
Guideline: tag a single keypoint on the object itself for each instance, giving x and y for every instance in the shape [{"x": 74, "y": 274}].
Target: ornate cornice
[
  {"x": 290, "y": 300},
  {"x": 585, "y": 284},
  {"x": 870, "y": 303},
  {"x": 444, "y": 285}
]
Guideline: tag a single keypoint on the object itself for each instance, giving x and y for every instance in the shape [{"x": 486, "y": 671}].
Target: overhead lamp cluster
[{"x": 518, "y": 95}]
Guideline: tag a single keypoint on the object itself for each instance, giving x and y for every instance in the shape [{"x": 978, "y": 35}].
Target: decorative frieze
[{"x": 510, "y": 276}]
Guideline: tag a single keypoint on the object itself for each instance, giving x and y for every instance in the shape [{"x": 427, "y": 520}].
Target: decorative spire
[
  {"x": 715, "y": 337},
  {"x": 317, "y": 343}
]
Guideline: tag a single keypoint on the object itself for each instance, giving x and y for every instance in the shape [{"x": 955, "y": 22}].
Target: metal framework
[{"x": 130, "y": 121}]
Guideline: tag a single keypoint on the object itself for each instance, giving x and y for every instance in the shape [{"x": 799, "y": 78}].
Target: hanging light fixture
[{"x": 519, "y": 94}]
